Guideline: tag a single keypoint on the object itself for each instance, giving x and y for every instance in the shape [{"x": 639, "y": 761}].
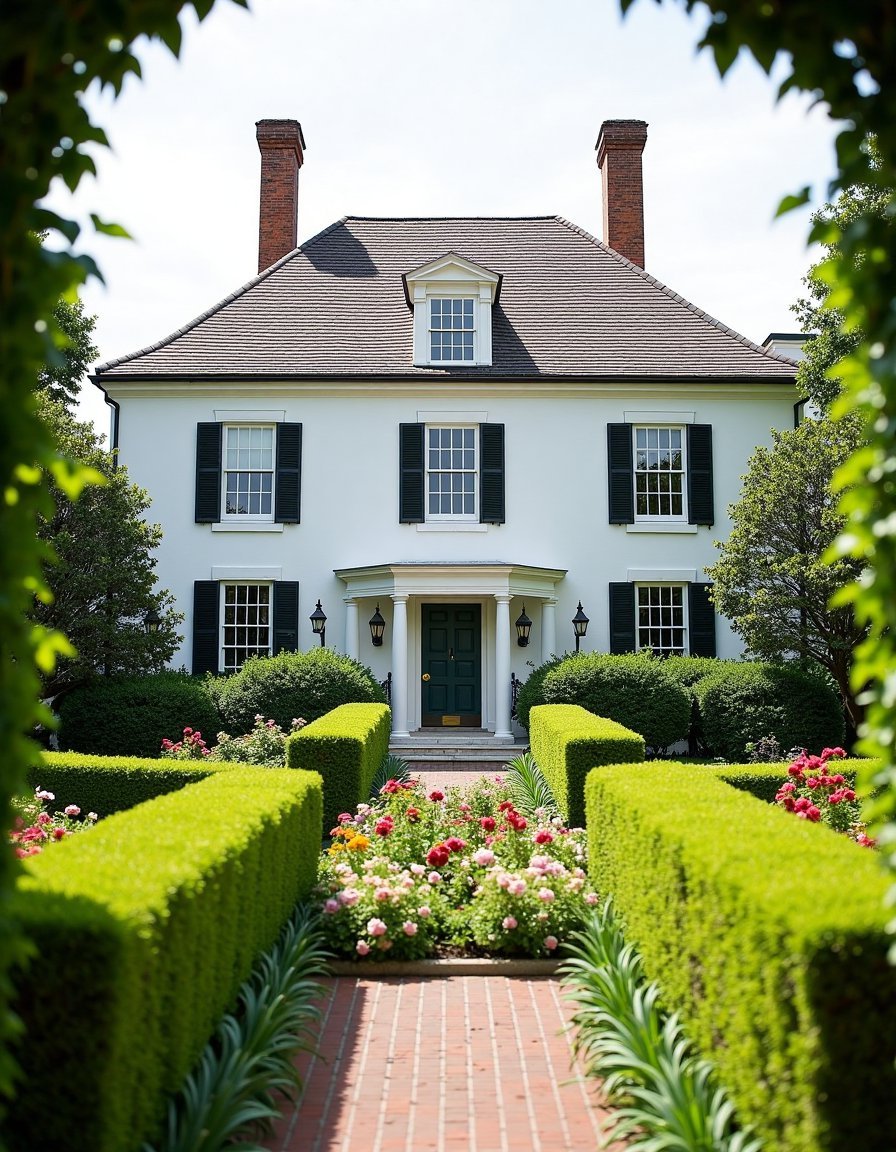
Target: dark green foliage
[
  {"x": 532, "y": 692},
  {"x": 145, "y": 927},
  {"x": 767, "y": 936},
  {"x": 633, "y": 689},
  {"x": 567, "y": 742},
  {"x": 347, "y": 747},
  {"x": 129, "y": 716},
  {"x": 306, "y": 684},
  {"x": 60, "y": 381},
  {"x": 107, "y": 784},
  {"x": 742, "y": 702},
  {"x": 687, "y": 670}
]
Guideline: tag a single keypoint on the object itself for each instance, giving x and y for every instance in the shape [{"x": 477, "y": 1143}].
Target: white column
[
  {"x": 351, "y": 628},
  {"x": 400, "y": 666},
  {"x": 548, "y": 629},
  {"x": 502, "y": 668}
]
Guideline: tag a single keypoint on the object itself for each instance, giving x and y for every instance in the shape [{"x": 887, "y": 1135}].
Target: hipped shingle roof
[{"x": 570, "y": 307}]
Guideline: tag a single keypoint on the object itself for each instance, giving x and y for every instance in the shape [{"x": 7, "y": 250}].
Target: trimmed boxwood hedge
[
  {"x": 743, "y": 702},
  {"x": 767, "y": 934},
  {"x": 293, "y": 684},
  {"x": 130, "y": 716},
  {"x": 107, "y": 784},
  {"x": 567, "y": 742},
  {"x": 144, "y": 927},
  {"x": 347, "y": 747},
  {"x": 634, "y": 690},
  {"x": 764, "y": 780}
]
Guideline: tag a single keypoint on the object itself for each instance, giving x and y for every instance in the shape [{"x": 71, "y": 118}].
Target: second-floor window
[
  {"x": 451, "y": 474},
  {"x": 451, "y": 330},
  {"x": 249, "y": 471},
  {"x": 659, "y": 474}
]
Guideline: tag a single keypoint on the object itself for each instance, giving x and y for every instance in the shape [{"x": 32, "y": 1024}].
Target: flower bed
[
  {"x": 415, "y": 875},
  {"x": 34, "y": 826}
]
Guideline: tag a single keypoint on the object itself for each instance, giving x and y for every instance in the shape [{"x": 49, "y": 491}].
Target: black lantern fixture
[
  {"x": 152, "y": 621},
  {"x": 377, "y": 628},
  {"x": 523, "y": 628},
  {"x": 579, "y": 624},
  {"x": 319, "y": 624}
]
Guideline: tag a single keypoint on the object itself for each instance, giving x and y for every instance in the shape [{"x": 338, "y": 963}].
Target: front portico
[{"x": 450, "y": 637}]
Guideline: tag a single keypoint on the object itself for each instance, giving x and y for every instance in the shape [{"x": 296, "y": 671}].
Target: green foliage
[
  {"x": 130, "y": 716},
  {"x": 764, "y": 780},
  {"x": 60, "y": 380},
  {"x": 665, "y": 1097},
  {"x": 291, "y": 684},
  {"x": 251, "y": 1056},
  {"x": 529, "y": 788},
  {"x": 347, "y": 746},
  {"x": 532, "y": 692},
  {"x": 729, "y": 902},
  {"x": 145, "y": 927},
  {"x": 100, "y": 605},
  {"x": 567, "y": 742},
  {"x": 687, "y": 670},
  {"x": 635, "y": 690},
  {"x": 108, "y": 784},
  {"x": 392, "y": 768},
  {"x": 48, "y": 59},
  {"x": 744, "y": 701},
  {"x": 772, "y": 580},
  {"x": 264, "y": 745}
]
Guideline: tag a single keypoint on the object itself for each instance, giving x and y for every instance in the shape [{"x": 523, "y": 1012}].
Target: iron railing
[
  {"x": 386, "y": 686},
  {"x": 515, "y": 686}
]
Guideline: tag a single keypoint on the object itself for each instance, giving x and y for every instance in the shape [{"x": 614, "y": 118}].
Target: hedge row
[
  {"x": 764, "y": 780},
  {"x": 347, "y": 747},
  {"x": 108, "y": 784},
  {"x": 567, "y": 742},
  {"x": 767, "y": 935},
  {"x": 144, "y": 929}
]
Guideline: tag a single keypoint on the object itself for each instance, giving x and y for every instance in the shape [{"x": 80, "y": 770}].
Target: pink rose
[
  {"x": 509, "y": 923},
  {"x": 483, "y": 857},
  {"x": 73, "y": 810},
  {"x": 591, "y": 898},
  {"x": 424, "y": 911},
  {"x": 434, "y": 878},
  {"x": 550, "y": 942},
  {"x": 362, "y": 947},
  {"x": 409, "y": 928},
  {"x": 331, "y": 906},
  {"x": 545, "y": 894},
  {"x": 516, "y": 886},
  {"x": 376, "y": 927}
]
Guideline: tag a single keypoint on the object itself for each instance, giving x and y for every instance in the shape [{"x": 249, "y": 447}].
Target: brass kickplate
[{"x": 451, "y": 721}]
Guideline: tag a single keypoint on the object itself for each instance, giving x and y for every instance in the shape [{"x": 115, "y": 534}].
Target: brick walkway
[{"x": 453, "y": 1064}]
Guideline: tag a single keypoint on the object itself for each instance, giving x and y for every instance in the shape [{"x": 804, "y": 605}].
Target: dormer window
[
  {"x": 452, "y": 299},
  {"x": 451, "y": 329}
]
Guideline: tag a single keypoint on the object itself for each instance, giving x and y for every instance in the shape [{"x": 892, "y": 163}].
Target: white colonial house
[{"x": 451, "y": 437}]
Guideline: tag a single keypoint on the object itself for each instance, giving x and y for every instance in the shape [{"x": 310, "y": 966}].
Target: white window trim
[
  {"x": 222, "y": 591},
  {"x": 670, "y": 520},
  {"x": 452, "y": 277},
  {"x": 446, "y": 519},
  {"x": 242, "y": 519},
  {"x": 686, "y": 630}
]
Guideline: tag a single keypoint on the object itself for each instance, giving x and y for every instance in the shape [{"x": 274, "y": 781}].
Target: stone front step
[{"x": 472, "y": 748}]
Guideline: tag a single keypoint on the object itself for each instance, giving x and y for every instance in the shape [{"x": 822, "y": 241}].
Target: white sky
[{"x": 423, "y": 107}]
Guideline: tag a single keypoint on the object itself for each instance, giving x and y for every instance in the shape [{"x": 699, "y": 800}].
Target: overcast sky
[{"x": 425, "y": 107}]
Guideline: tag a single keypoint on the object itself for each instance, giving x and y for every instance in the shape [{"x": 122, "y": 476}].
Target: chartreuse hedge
[
  {"x": 144, "y": 929},
  {"x": 107, "y": 784},
  {"x": 766, "y": 933},
  {"x": 567, "y": 742},
  {"x": 346, "y": 747},
  {"x": 764, "y": 780}
]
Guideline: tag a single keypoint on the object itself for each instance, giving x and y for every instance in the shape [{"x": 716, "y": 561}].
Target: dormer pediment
[{"x": 451, "y": 299}]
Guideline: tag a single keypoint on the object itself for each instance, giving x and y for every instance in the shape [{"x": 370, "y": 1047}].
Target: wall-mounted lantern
[
  {"x": 377, "y": 628},
  {"x": 152, "y": 621},
  {"x": 523, "y": 628},
  {"x": 319, "y": 624}
]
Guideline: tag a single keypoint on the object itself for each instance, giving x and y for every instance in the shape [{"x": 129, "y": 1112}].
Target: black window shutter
[
  {"x": 410, "y": 468},
  {"x": 701, "y": 621},
  {"x": 208, "y": 473},
  {"x": 288, "y": 482},
  {"x": 622, "y": 618},
  {"x": 286, "y": 616},
  {"x": 622, "y": 481},
  {"x": 206, "y": 598},
  {"x": 699, "y": 465},
  {"x": 491, "y": 473}
]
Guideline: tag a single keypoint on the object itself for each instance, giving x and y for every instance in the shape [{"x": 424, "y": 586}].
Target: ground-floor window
[
  {"x": 661, "y": 620},
  {"x": 246, "y": 624}
]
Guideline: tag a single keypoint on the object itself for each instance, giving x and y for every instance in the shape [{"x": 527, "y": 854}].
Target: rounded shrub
[
  {"x": 130, "y": 715},
  {"x": 687, "y": 670},
  {"x": 531, "y": 693},
  {"x": 293, "y": 684},
  {"x": 634, "y": 690},
  {"x": 742, "y": 702}
]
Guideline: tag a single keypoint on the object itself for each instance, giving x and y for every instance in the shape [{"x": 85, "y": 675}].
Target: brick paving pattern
[{"x": 453, "y": 1064}]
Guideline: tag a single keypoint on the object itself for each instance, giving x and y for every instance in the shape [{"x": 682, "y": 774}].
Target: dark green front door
[{"x": 452, "y": 665}]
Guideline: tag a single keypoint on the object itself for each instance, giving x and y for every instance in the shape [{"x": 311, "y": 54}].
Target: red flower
[
  {"x": 437, "y": 856},
  {"x": 517, "y": 822},
  {"x": 505, "y": 806},
  {"x": 487, "y": 823},
  {"x": 455, "y": 844},
  {"x": 384, "y": 827},
  {"x": 58, "y": 833},
  {"x": 544, "y": 837},
  {"x": 436, "y": 795},
  {"x": 413, "y": 814}
]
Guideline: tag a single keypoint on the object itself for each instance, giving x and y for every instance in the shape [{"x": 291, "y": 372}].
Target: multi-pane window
[
  {"x": 451, "y": 472},
  {"x": 249, "y": 471},
  {"x": 659, "y": 473},
  {"x": 247, "y": 623},
  {"x": 661, "y": 624},
  {"x": 451, "y": 330}
]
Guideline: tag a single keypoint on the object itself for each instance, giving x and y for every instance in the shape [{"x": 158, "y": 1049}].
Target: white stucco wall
[{"x": 556, "y": 494}]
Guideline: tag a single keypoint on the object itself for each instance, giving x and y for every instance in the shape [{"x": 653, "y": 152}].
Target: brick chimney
[
  {"x": 282, "y": 151},
  {"x": 619, "y": 147}
]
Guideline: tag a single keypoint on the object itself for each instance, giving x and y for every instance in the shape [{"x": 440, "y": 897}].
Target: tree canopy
[{"x": 61, "y": 378}]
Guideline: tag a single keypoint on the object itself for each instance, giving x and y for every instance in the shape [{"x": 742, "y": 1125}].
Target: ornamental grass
[{"x": 418, "y": 874}]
